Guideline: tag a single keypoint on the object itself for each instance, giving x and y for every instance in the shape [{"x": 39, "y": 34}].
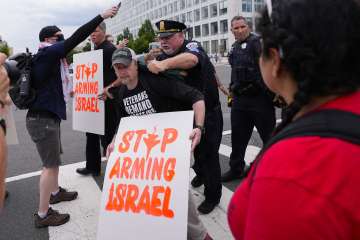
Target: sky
[{"x": 22, "y": 20}]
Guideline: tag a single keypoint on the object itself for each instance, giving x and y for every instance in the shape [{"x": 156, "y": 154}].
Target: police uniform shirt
[
  {"x": 201, "y": 76},
  {"x": 245, "y": 55}
]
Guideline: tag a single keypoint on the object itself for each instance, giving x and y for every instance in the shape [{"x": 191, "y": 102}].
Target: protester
[
  {"x": 305, "y": 182},
  {"x": 251, "y": 104},
  {"x": 189, "y": 56},
  {"x": 93, "y": 151},
  {"x": 162, "y": 95},
  {"x": 49, "y": 78}
]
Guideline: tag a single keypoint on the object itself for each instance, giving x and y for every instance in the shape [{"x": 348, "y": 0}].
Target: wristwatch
[
  {"x": 202, "y": 129},
  {"x": 3, "y": 124}
]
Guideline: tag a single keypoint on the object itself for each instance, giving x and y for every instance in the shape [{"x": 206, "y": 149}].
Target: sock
[
  {"x": 42, "y": 215},
  {"x": 54, "y": 193}
]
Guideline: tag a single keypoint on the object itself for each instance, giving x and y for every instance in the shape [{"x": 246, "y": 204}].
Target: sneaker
[
  {"x": 196, "y": 182},
  {"x": 53, "y": 218},
  {"x": 62, "y": 196},
  {"x": 206, "y": 207}
]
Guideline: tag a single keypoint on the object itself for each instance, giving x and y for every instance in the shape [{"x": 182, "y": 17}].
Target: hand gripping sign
[
  {"x": 145, "y": 192},
  {"x": 88, "y": 110}
]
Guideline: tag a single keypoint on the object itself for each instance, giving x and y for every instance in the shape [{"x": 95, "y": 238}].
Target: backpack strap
[
  {"x": 329, "y": 123},
  {"x": 325, "y": 123}
]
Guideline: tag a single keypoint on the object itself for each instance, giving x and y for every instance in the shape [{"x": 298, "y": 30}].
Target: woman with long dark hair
[{"x": 304, "y": 184}]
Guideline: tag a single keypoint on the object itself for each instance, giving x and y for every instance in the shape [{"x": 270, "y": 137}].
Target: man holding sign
[
  {"x": 145, "y": 93},
  {"x": 93, "y": 153}
]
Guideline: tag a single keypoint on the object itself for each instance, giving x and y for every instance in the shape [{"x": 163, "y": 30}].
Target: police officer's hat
[{"x": 169, "y": 27}]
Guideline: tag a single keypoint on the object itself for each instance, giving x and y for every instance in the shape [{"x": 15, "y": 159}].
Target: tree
[
  {"x": 69, "y": 57},
  {"x": 87, "y": 47},
  {"x": 4, "y": 48}
]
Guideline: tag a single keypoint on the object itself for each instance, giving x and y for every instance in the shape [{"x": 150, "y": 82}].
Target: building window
[
  {"x": 204, "y": 12},
  {"x": 224, "y": 26},
  {"x": 197, "y": 31},
  {"x": 213, "y": 10},
  {"x": 188, "y": 3},
  {"x": 205, "y": 45},
  {"x": 246, "y": 5},
  {"x": 182, "y": 4},
  {"x": 196, "y": 2},
  {"x": 214, "y": 28},
  {"x": 223, "y": 48},
  {"x": 189, "y": 16},
  {"x": 223, "y": 7},
  {"x": 183, "y": 18},
  {"x": 175, "y": 6},
  {"x": 205, "y": 29},
  {"x": 190, "y": 33},
  {"x": 214, "y": 46},
  {"x": 258, "y": 5},
  {"x": 197, "y": 15}
]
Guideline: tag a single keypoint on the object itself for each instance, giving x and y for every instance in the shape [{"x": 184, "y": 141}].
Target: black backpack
[
  {"x": 22, "y": 93},
  {"x": 328, "y": 123}
]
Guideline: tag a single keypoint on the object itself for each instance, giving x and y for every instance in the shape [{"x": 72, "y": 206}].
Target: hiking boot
[
  {"x": 62, "y": 196},
  {"x": 53, "y": 218},
  {"x": 196, "y": 182}
]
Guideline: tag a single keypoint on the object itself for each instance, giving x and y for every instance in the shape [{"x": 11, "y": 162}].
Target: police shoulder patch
[{"x": 193, "y": 46}]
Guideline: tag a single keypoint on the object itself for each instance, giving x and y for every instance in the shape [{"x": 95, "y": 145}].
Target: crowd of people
[{"x": 303, "y": 183}]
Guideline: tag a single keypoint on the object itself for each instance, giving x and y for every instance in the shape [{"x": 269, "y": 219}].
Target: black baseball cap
[
  {"x": 169, "y": 27},
  {"x": 124, "y": 56},
  {"x": 47, "y": 32}
]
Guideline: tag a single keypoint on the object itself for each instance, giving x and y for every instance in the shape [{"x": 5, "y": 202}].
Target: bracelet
[{"x": 3, "y": 125}]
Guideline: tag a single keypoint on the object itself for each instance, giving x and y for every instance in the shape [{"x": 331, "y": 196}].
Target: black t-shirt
[
  {"x": 109, "y": 73},
  {"x": 201, "y": 76},
  {"x": 154, "y": 94}
]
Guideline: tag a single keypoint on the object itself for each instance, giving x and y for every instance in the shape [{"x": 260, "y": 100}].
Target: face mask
[{"x": 60, "y": 38}]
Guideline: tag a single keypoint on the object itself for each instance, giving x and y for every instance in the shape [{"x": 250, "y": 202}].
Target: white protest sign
[
  {"x": 145, "y": 191},
  {"x": 88, "y": 110}
]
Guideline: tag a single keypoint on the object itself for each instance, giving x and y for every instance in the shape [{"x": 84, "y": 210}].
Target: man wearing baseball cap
[
  {"x": 49, "y": 76},
  {"x": 161, "y": 94}
]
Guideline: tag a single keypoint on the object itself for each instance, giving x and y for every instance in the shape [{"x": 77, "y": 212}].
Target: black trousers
[
  {"x": 242, "y": 124},
  {"x": 93, "y": 151},
  {"x": 206, "y": 155}
]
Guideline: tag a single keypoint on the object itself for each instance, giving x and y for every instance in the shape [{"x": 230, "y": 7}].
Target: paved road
[{"x": 23, "y": 177}]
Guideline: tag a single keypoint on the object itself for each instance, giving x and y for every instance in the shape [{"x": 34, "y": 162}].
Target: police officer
[
  {"x": 252, "y": 101},
  {"x": 178, "y": 53}
]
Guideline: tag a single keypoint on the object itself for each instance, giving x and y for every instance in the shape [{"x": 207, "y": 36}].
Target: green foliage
[
  {"x": 87, "y": 47},
  {"x": 4, "y": 48},
  {"x": 140, "y": 45},
  {"x": 69, "y": 57}
]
